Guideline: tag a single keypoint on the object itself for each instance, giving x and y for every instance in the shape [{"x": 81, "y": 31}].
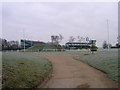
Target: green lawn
[
  {"x": 104, "y": 61},
  {"x": 43, "y": 46},
  {"x": 23, "y": 71}
]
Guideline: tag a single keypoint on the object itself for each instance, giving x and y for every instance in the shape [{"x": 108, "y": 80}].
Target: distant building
[
  {"x": 116, "y": 46},
  {"x": 78, "y": 45},
  {"x": 29, "y": 43}
]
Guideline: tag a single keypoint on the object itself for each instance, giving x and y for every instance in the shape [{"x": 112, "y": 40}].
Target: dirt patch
[
  {"x": 70, "y": 73},
  {"x": 85, "y": 85}
]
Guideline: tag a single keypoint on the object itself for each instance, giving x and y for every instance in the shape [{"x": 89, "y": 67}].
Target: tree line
[
  {"x": 55, "y": 39},
  {"x": 9, "y": 45},
  {"x": 108, "y": 45}
]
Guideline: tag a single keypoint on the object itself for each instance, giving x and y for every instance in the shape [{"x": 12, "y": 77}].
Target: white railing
[{"x": 53, "y": 50}]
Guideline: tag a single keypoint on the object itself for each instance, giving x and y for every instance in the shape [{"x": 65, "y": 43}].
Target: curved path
[{"x": 70, "y": 73}]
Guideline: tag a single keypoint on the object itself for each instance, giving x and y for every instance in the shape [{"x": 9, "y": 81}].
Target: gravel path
[{"x": 70, "y": 73}]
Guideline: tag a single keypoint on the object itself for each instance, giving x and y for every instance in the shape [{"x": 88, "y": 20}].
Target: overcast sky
[{"x": 41, "y": 20}]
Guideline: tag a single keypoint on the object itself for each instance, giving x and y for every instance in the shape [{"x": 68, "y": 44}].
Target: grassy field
[
  {"x": 104, "y": 61},
  {"x": 23, "y": 71}
]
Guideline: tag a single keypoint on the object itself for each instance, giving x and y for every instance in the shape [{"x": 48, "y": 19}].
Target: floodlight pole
[
  {"x": 31, "y": 41},
  {"x": 24, "y": 39},
  {"x": 108, "y": 33}
]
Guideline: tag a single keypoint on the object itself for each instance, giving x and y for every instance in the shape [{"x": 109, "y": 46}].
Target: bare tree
[
  {"x": 52, "y": 38},
  {"x": 87, "y": 39},
  {"x": 118, "y": 39},
  {"x": 60, "y": 37},
  {"x": 82, "y": 39},
  {"x": 71, "y": 39},
  {"x": 56, "y": 39},
  {"x": 79, "y": 38}
]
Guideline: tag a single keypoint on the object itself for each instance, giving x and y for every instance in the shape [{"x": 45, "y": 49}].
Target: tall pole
[
  {"x": 24, "y": 38},
  {"x": 31, "y": 41},
  {"x": 108, "y": 33}
]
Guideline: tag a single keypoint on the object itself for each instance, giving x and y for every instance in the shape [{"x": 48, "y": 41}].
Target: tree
[
  {"x": 79, "y": 38},
  {"x": 4, "y": 44},
  {"x": 52, "y": 38},
  {"x": 105, "y": 45},
  {"x": 56, "y": 39},
  {"x": 118, "y": 44},
  {"x": 60, "y": 37},
  {"x": 9, "y": 45},
  {"x": 110, "y": 45},
  {"x": 13, "y": 45},
  {"x": 118, "y": 39},
  {"x": 87, "y": 39},
  {"x": 71, "y": 39}
]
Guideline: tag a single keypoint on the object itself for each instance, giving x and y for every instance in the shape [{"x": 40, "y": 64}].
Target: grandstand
[
  {"x": 38, "y": 45},
  {"x": 29, "y": 43},
  {"x": 78, "y": 45}
]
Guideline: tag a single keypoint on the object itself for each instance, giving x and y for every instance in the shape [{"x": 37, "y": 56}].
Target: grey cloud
[{"x": 40, "y": 20}]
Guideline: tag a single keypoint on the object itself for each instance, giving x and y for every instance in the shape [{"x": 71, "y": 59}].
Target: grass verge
[
  {"x": 105, "y": 61},
  {"x": 23, "y": 71}
]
